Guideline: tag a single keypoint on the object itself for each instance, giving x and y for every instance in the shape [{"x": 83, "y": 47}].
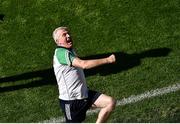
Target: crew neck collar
[{"x": 64, "y": 47}]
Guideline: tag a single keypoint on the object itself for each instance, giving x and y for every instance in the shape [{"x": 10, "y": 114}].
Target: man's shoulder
[
  {"x": 61, "y": 49},
  {"x": 62, "y": 52},
  {"x": 64, "y": 56}
]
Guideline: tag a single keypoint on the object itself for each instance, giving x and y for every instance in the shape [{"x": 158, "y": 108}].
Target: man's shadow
[
  {"x": 2, "y": 17},
  {"x": 124, "y": 62}
]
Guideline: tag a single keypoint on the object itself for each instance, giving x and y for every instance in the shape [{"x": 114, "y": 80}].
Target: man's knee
[{"x": 111, "y": 104}]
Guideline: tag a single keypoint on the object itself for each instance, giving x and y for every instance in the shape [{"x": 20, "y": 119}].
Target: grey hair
[{"x": 55, "y": 33}]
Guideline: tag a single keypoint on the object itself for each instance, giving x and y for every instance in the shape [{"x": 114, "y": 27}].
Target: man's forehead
[{"x": 61, "y": 31}]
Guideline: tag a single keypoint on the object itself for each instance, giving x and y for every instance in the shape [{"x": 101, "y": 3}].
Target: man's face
[{"x": 65, "y": 39}]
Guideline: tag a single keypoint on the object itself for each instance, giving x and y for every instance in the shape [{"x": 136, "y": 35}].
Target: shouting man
[{"x": 74, "y": 96}]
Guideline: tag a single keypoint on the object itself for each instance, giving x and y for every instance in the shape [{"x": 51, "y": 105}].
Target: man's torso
[{"x": 71, "y": 80}]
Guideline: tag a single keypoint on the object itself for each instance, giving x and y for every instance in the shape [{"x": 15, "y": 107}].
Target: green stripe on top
[{"x": 65, "y": 56}]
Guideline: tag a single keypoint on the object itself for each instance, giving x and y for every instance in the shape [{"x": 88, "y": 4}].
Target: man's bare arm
[{"x": 87, "y": 64}]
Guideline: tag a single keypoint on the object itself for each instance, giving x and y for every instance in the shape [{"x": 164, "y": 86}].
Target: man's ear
[{"x": 57, "y": 42}]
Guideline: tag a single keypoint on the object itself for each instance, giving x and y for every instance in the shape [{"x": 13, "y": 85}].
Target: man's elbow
[
  {"x": 79, "y": 63},
  {"x": 84, "y": 65}
]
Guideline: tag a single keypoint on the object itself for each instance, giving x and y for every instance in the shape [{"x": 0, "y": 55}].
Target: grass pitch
[{"x": 144, "y": 36}]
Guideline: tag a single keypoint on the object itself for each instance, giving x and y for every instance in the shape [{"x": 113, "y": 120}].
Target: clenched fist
[{"x": 111, "y": 58}]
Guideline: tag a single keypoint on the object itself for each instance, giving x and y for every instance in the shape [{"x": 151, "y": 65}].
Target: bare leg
[{"x": 107, "y": 105}]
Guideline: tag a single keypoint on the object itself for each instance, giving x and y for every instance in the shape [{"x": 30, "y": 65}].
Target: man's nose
[{"x": 67, "y": 35}]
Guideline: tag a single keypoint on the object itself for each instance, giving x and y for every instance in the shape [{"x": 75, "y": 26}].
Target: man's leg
[{"x": 107, "y": 105}]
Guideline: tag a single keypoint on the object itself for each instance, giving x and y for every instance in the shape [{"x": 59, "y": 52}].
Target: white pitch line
[{"x": 129, "y": 100}]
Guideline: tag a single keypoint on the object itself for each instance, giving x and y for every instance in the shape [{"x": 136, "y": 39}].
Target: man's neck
[{"x": 64, "y": 47}]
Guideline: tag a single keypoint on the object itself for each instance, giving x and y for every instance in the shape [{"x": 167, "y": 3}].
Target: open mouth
[{"x": 69, "y": 41}]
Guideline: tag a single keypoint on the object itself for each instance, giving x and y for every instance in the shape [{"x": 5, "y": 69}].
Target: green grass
[
  {"x": 143, "y": 34},
  {"x": 147, "y": 111}
]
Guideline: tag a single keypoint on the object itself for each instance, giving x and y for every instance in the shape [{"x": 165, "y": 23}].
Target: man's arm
[{"x": 87, "y": 64}]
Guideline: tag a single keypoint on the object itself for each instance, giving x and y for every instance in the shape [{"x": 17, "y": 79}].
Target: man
[{"x": 74, "y": 96}]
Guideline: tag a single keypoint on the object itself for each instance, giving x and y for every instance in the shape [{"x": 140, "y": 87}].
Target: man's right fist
[{"x": 111, "y": 58}]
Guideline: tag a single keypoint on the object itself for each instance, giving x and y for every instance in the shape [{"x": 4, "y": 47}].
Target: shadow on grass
[
  {"x": 2, "y": 17},
  {"x": 124, "y": 62}
]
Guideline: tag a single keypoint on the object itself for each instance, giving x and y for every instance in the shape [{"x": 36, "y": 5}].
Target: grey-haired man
[{"x": 74, "y": 96}]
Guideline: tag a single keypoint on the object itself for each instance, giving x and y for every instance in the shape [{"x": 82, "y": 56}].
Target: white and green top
[{"x": 71, "y": 80}]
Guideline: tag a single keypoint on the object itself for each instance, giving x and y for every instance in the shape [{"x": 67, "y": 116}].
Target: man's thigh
[{"x": 102, "y": 101}]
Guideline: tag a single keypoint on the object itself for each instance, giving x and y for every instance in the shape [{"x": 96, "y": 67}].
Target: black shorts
[{"x": 75, "y": 110}]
